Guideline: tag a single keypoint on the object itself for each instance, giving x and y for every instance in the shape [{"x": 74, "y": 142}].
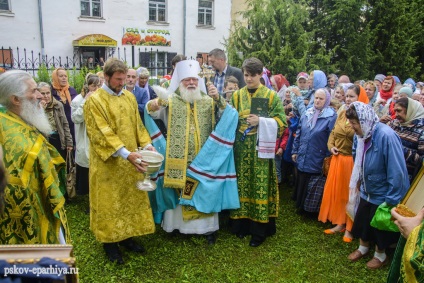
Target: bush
[{"x": 43, "y": 74}]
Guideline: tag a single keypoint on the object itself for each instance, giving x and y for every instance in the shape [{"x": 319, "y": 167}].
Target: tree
[
  {"x": 340, "y": 32},
  {"x": 397, "y": 26},
  {"x": 275, "y": 35}
]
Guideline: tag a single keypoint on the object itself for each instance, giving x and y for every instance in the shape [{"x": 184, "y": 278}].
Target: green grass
[{"x": 299, "y": 252}]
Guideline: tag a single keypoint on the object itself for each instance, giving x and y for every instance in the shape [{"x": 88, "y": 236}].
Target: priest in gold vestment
[
  {"x": 34, "y": 197},
  {"x": 118, "y": 210},
  {"x": 189, "y": 115}
]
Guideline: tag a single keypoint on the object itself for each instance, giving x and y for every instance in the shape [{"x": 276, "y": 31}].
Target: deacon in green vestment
[
  {"x": 256, "y": 177},
  {"x": 118, "y": 210},
  {"x": 34, "y": 197}
]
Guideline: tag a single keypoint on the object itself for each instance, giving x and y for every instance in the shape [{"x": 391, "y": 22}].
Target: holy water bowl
[{"x": 154, "y": 161}]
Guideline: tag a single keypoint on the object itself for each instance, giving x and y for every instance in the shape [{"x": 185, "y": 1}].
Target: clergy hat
[{"x": 186, "y": 69}]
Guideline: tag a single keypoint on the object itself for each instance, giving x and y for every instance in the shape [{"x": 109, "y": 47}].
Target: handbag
[
  {"x": 326, "y": 165},
  {"x": 352, "y": 205},
  {"x": 71, "y": 176},
  {"x": 382, "y": 219}
]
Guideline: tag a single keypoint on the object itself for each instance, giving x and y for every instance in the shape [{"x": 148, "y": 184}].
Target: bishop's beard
[
  {"x": 34, "y": 115},
  {"x": 189, "y": 95}
]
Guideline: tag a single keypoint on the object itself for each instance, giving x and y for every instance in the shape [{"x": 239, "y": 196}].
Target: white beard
[
  {"x": 35, "y": 116},
  {"x": 190, "y": 96}
]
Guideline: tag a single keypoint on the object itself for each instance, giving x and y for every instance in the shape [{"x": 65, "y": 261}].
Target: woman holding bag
[{"x": 379, "y": 172}]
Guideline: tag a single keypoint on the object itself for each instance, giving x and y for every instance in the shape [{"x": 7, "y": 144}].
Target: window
[
  {"x": 4, "y": 5},
  {"x": 91, "y": 8},
  {"x": 158, "y": 63},
  {"x": 205, "y": 13},
  {"x": 157, "y": 10}
]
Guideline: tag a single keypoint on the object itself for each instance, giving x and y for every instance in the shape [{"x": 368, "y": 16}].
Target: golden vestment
[
  {"x": 34, "y": 201},
  {"x": 118, "y": 210}
]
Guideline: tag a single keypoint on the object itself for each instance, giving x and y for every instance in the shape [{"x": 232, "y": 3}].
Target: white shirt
[{"x": 81, "y": 139}]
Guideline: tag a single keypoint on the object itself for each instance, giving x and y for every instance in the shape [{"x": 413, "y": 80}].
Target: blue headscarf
[
  {"x": 397, "y": 80},
  {"x": 411, "y": 82},
  {"x": 320, "y": 79}
]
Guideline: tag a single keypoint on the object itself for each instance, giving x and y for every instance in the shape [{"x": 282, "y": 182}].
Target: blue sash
[{"x": 213, "y": 170}]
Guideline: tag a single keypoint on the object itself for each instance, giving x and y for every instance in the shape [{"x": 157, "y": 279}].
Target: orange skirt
[{"x": 336, "y": 191}]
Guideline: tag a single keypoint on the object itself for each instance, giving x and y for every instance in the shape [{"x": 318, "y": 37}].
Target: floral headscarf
[
  {"x": 368, "y": 121},
  {"x": 313, "y": 113},
  {"x": 63, "y": 91}
]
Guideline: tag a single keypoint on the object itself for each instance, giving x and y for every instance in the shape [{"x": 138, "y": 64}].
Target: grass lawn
[{"x": 299, "y": 252}]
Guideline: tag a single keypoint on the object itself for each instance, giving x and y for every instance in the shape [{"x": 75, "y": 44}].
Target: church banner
[{"x": 146, "y": 37}]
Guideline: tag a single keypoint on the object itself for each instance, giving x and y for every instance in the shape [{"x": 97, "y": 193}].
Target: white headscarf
[{"x": 368, "y": 121}]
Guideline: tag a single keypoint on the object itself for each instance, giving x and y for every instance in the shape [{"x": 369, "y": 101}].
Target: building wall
[
  {"x": 237, "y": 6},
  {"x": 62, "y": 24}
]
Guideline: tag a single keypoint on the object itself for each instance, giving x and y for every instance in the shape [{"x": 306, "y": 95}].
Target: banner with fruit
[{"x": 146, "y": 37}]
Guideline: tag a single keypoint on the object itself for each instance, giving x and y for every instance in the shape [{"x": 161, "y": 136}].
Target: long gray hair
[{"x": 13, "y": 83}]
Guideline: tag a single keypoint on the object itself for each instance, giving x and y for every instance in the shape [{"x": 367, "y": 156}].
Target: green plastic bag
[{"x": 382, "y": 219}]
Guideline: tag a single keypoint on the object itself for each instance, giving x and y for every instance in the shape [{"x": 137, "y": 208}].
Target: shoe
[
  {"x": 255, "y": 243},
  {"x": 347, "y": 239},
  {"x": 356, "y": 255},
  {"x": 331, "y": 231},
  {"x": 375, "y": 263},
  {"x": 132, "y": 245},
  {"x": 211, "y": 239},
  {"x": 240, "y": 235},
  {"x": 113, "y": 252}
]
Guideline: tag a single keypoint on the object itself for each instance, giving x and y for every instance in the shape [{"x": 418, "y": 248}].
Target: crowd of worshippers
[{"x": 228, "y": 145}]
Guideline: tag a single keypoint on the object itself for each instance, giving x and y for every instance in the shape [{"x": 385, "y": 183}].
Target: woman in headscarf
[
  {"x": 265, "y": 78},
  {"x": 64, "y": 93},
  {"x": 372, "y": 92},
  {"x": 336, "y": 189},
  {"x": 279, "y": 84},
  {"x": 332, "y": 82},
  {"x": 380, "y": 175},
  {"x": 310, "y": 144},
  {"x": 318, "y": 80},
  {"x": 61, "y": 137},
  {"x": 409, "y": 125},
  {"x": 384, "y": 98},
  {"x": 411, "y": 83}
]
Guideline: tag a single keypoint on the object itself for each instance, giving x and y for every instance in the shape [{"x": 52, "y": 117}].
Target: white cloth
[
  {"x": 81, "y": 139},
  {"x": 267, "y": 136},
  {"x": 173, "y": 220},
  {"x": 282, "y": 93}
]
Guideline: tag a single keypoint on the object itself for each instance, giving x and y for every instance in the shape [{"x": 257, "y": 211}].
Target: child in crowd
[
  {"x": 302, "y": 84},
  {"x": 230, "y": 86}
]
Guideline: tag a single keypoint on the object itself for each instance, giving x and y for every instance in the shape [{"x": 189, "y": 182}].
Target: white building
[{"x": 79, "y": 29}]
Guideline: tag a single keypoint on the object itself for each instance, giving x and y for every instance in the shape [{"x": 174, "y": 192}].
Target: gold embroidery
[{"x": 190, "y": 188}]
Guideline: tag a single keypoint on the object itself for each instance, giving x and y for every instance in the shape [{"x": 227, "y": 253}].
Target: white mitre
[{"x": 186, "y": 69}]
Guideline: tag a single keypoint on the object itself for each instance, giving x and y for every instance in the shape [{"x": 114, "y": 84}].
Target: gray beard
[
  {"x": 35, "y": 116},
  {"x": 190, "y": 96}
]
